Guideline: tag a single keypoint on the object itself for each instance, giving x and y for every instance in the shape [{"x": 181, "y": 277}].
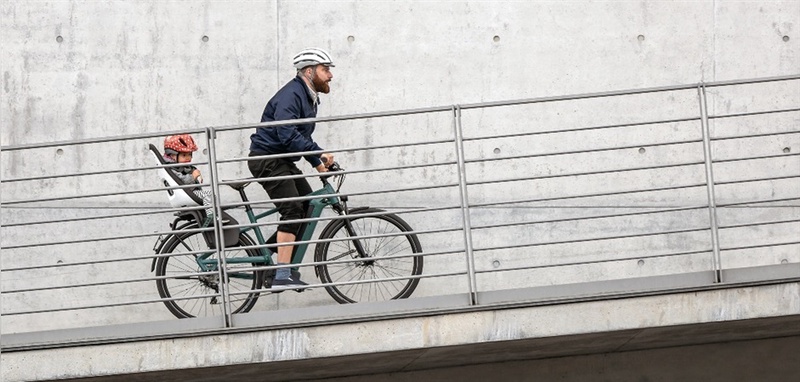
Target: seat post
[{"x": 243, "y": 195}]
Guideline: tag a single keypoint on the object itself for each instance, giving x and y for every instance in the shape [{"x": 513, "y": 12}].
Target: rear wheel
[
  {"x": 376, "y": 277},
  {"x": 197, "y": 295}
]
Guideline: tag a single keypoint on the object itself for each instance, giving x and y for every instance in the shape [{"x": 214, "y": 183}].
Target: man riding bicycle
[{"x": 298, "y": 99}]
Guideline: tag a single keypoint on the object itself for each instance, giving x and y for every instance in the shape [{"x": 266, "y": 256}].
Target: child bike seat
[
  {"x": 181, "y": 197},
  {"x": 184, "y": 197}
]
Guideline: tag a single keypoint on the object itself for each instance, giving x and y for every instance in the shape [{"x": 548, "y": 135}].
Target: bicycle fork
[{"x": 348, "y": 226}]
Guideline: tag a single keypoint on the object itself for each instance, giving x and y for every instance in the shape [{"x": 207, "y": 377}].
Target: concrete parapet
[{"x": 412, "y": 344}]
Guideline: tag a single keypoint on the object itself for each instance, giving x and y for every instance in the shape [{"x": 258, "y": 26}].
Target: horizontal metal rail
[
  {"x": 757, "y": 179},
  {"x": 106, "y": 238},
  {"x": 98, "y": 195},
  {"x": 148, "y": 257},
  {"x": 581, "y": 218},
  {"x": 340, "y": 217},
  {"x": 746, "y": 204},
  {"x": 588, "y": 262},
  {"x": 330, "y": 174},
  {"x": 752, "y": 113},
  {"x": 659, "y": 89},
  {"x": 348, "y": 261},
  {"x": 755, "y": 158},
  {"x": 594, "y": 195},
  {"x": 585, "y": 151},
  {"x": 573, "y": 241},
  {"x": 581, "y": 129},
  {"x": 755, "y": 135},
  {"x": 107, "y": 305},
  {"x": 754, "y": 246},
  {"x": 99, "y": 217},
  {"x": 104, "y": 283},
  {"x": 600, "y": 172},
  {"x": 348, "y": 194},
  {"x": 771, "y": 222},
  {"x": 105, "y": 172},
  {"x": 357, "y": 237},
  {"x": 78, "y": 142},
  {"x": 333, "y": 151},
  {"x": 358, "y": 282}
]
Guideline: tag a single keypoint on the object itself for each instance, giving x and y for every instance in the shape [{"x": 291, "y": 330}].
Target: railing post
[
  {"x": 462, "y": 185},
  {"x": 219, "y": 236},
  {"x": 712, "y": 202}
]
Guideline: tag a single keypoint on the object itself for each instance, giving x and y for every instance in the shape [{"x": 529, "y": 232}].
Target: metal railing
[{"x": 599, "y": 195}]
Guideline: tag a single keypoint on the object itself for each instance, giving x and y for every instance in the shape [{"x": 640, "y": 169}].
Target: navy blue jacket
[{"x": 293, "y": 101}]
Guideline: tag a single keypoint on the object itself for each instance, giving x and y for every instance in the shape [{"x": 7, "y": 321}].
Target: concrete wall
[
  {"x": 81, "y": 70},
  {"x": 88, "y": 69}
]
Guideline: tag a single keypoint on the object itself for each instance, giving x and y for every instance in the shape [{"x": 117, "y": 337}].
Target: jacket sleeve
[
  {"x": 289, "y": 136},
  {"x": 184, "y": 176}
]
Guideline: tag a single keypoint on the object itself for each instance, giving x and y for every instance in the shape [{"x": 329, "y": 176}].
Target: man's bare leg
[
  {"x": 285, "y": 251},
  {"x": 283, "y": 276}
]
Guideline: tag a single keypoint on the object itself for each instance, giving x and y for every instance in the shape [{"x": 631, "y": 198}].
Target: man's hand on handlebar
[{"x": 327, "y": 160}]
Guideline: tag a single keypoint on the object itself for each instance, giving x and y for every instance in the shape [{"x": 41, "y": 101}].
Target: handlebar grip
[{"x": 332, "y": 168}]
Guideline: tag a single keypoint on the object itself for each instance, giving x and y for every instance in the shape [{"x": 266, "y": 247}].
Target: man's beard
[{"x": 320, "y": 86}]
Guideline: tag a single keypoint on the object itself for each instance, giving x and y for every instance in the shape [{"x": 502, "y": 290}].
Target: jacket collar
[{"x": 312, "y": 95}]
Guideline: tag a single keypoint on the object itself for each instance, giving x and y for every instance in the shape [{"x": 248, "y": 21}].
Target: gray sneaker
[{"x": 292, "y": 282}]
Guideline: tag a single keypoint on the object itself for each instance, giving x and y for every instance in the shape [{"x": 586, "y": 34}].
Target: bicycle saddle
[{"x": 239, "y": 185}]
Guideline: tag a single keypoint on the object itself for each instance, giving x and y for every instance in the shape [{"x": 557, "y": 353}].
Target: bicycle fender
[
  {"x": 360, "y": 210},
  {"x": 163, "y": 239}
]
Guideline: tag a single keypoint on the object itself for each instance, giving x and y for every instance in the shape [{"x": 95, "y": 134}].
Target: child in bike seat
[{"x": 179, "y": 149}]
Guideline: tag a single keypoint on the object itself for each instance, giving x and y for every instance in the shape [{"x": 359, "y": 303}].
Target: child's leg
[{"x": 206, "y": 196}]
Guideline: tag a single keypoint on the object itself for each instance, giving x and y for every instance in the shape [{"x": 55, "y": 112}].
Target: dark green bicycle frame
[{"x": 208, "y": 264}]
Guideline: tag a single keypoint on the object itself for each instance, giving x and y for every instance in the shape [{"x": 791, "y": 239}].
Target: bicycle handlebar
[{"x": 333, "y": 168}]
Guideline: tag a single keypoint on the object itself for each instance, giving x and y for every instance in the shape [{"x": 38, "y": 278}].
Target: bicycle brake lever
[{"x": 334, "y": 167}]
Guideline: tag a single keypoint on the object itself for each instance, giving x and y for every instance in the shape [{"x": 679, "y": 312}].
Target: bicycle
[{"x": 368, "y": 249}]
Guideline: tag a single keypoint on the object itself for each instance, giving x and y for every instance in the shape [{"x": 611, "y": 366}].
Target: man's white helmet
[{"x": 312, "y": 56}]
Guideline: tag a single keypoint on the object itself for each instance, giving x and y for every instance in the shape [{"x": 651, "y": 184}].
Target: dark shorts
[{"x": 285, "y": 188}]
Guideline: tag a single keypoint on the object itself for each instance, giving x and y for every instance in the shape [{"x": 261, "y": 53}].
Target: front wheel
[
  {"x": 196, "y": 295},
  {"x": 375, "y": 277}
]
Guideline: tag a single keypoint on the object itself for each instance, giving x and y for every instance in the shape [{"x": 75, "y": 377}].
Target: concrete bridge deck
[{"x": 744, "y": 331}]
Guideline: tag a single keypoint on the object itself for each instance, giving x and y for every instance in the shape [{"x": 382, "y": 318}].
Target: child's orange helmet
[{"x": 183, "y": 143}]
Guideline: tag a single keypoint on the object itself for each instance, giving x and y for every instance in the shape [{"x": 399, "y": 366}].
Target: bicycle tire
[
  {"x": 184, "y": 287},
  {"x": 374, "y": 269}
]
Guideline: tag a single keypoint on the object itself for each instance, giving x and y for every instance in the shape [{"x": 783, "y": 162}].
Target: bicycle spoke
[
  {"x": 373, "y": 270},
  {"x": 183, "y": 265},
  {"x": 346, "y": 269},
  {"x": 182, "y": 289},
  {"x": 392, "y": 251},
  {"x": 379, "y": 286},
  {"x": 207, "y": 283}
]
